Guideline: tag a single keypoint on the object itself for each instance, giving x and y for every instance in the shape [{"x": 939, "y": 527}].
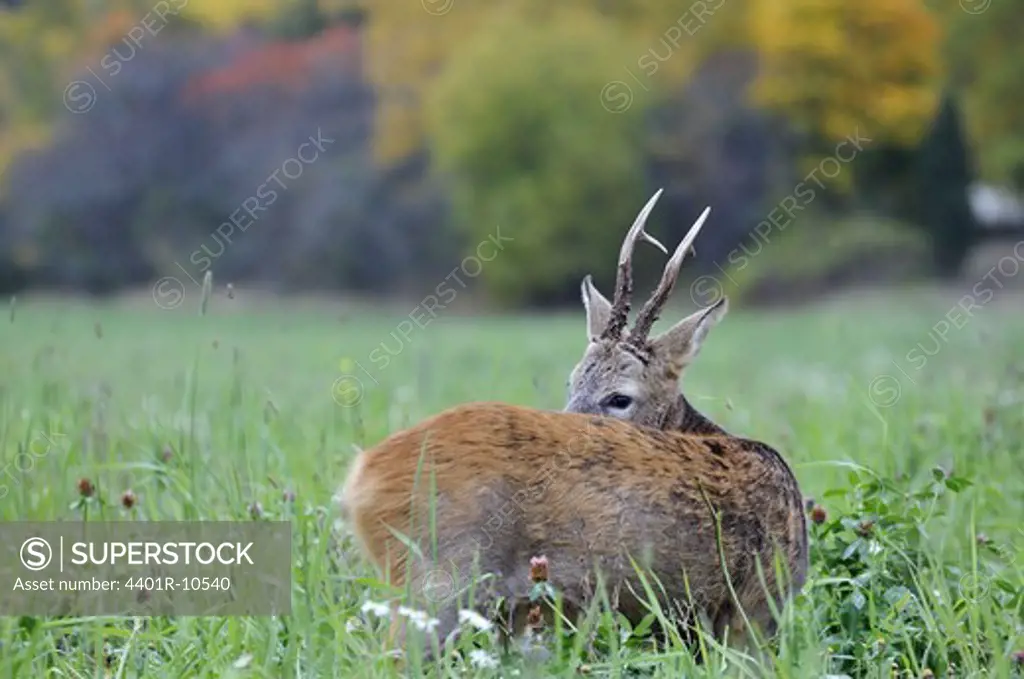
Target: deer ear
[
  {"x": 598, "y": 308},
  {"x": 681, "y": 343}
]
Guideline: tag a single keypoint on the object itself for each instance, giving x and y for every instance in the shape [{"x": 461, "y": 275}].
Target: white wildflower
[
  {"x": 481, "y": 658},
  {"x": 377, "y": 608},
  {"x": 419, "y": 619},
  {"x": 475, "y": 619}
]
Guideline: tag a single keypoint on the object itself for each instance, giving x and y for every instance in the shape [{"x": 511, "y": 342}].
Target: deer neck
[{"x": 682, "y": 416}]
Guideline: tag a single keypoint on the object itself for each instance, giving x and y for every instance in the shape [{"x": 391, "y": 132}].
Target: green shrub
[
  {"x": 518, "y": 124},
  {"x": 881, "y": 596}
]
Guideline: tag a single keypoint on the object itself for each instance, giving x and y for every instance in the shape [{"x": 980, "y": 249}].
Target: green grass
[{"x": 216, "y": 417}]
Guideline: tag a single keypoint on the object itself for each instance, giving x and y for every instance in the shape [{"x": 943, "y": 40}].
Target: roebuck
[{"x": 630, "y": 478}]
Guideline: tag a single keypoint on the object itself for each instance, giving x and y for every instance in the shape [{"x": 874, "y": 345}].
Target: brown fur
[{"x": 589, "y": 493}]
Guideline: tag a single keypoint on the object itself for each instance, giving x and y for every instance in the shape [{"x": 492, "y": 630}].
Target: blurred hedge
[{"x": 531, "y": 149}]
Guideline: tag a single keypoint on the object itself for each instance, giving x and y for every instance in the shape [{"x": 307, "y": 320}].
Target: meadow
[{"x": 904, "y": 428}]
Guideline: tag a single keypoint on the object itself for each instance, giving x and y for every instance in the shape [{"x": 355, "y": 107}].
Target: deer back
[{"x": 503, "y": 483}]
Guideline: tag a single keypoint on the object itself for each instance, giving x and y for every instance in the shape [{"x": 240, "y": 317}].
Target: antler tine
[
  {"x": 624, "y": 276},
  {"x": 649, "y": 312}
]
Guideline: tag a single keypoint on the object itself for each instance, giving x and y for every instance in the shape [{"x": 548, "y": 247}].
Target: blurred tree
[
  {"x": 984, "y": 51},
  {"x": 708, "y": 146},
  {"x": 44, "y": 47},
  {"x": 835, "y": 66},
  {"x": 526, "y": 154},
  {"x": 200, "y": 130},
  {"x": 655, "y": 42},
  {"x": 408, "y": 46},
  {"x": 34, "y": 39},
  {"x": 944, "y": 173},
  {"x": 227, "y": 15},
  {"x": 299, "y": 19}
]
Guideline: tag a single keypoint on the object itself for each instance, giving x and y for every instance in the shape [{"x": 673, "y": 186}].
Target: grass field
[{"x": 910, "y": 441}]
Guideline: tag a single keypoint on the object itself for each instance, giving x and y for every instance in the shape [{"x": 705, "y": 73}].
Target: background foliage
[{"x": 130, "y": 130}]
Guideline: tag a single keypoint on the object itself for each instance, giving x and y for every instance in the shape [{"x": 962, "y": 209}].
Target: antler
[
  {"x": 624, "y": 277},
  {"x": 649, "y": 313}
]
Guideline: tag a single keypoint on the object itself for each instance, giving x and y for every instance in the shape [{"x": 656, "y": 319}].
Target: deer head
[{"x": 623, "y": 373}]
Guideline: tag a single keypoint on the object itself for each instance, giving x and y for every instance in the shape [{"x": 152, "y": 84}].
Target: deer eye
[{"x": 618, "y": 402}]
